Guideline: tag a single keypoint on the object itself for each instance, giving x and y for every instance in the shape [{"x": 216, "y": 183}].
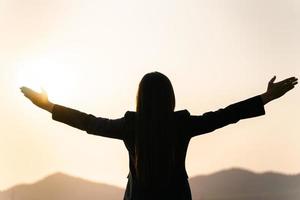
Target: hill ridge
[{"x": 233, "y": 183}]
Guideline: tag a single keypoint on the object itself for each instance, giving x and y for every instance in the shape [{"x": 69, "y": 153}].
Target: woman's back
[{"x": 164, "y": 163}]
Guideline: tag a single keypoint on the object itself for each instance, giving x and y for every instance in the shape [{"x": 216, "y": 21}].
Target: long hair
[{"x": 154, "y": 147}]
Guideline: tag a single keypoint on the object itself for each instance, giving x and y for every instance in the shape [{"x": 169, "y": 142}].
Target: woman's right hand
[{"x": 39, "y": 99}]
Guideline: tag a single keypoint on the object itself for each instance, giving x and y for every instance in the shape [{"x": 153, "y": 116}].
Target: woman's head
[{"x": 155, "y": 94}]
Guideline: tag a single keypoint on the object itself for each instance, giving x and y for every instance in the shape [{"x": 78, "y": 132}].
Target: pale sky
[{"x": 91, "y": 55}]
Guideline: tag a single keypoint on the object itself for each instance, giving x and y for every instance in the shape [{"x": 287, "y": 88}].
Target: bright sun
[{"x": 44, "y": 73}]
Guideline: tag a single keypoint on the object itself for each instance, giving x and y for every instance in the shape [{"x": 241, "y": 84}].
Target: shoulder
[
  {"x": 182, "y": 113},
  {"x": 129, "y": 116}
]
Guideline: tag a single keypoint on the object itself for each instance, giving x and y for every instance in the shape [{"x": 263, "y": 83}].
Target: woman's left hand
[{"x": 276, "y": 90}]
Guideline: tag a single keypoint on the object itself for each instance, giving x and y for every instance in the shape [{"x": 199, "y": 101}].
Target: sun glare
[{"x": 47, "y": 75}]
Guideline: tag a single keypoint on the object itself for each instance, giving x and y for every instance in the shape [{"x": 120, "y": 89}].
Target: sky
[{"x": 90, "y": 55}]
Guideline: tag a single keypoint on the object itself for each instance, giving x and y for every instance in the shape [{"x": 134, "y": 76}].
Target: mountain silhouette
[
  {"x": 240, "y": 184},
  {"x": 63, "y": 187},
  {"x": 231, "y": 184}
]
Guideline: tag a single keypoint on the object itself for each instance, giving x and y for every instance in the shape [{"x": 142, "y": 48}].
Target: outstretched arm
[
  {"x": 248, "y": 108},
  {"x": 112, "y": 128}
]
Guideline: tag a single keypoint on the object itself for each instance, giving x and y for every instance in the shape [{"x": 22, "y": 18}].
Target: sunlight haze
[{"x": 91, "y": 55}]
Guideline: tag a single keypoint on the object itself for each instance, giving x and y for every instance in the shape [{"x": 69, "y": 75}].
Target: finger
[
  {"x": 23, "y": 89},
  {"x": 29, "y": 92},
  {"x": 291, "y": 83},
  {"x": 288, "y": 87},
  {"x": 295, "y": 81},
  {"x": 288, "y": 80},
  {"x": 292, "y": 79},
  {"x": 272, "y": 80}
]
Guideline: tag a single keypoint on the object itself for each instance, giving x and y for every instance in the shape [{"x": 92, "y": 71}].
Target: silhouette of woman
[{"x": 155, "y": 136}]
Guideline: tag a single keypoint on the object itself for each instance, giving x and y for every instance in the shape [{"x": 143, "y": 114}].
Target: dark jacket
[{"x": 186, "y": 126}]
